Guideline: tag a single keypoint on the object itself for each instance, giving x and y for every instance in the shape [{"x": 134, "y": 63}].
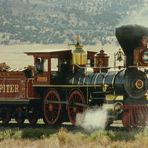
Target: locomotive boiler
[{"x": 65, "y": 82}]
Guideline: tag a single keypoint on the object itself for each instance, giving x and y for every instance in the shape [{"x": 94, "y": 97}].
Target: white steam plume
[
  {"x": 138, "y": 17},
  {"x": 92, "y": 119}
]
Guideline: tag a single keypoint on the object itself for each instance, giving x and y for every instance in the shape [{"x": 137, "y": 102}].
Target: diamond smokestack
[{"x": 129, "y": 37}]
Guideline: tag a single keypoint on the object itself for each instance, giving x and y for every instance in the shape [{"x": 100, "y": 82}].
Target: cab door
[{"x": 42, "y": 76}]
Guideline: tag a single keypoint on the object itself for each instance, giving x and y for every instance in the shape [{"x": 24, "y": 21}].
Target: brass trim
[{"x": 70, "y": 86}]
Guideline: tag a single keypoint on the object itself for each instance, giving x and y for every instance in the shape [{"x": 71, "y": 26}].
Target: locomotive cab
[
  {"x": 55, "y": 65},
  {"x": 49, "y": 64}
]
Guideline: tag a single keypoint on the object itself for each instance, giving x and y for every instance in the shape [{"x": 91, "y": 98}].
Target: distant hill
[{"x": 59, "y": 21}]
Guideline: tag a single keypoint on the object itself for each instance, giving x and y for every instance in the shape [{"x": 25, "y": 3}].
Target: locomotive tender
[{"x": 80, "y": 80}]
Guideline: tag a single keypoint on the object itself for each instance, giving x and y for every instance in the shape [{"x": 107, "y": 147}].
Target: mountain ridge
[{"x": 54, "y": 21}]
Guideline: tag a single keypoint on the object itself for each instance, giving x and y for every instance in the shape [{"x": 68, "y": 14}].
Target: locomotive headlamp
[
  {"x": 139, "y": 84},
  {"x": 145, "y": 57}
]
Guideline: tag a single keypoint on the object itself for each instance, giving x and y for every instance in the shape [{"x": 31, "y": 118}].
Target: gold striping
[{"x": 65, "y": 85}]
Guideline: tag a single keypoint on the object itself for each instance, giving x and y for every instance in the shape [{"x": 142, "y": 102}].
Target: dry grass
[{"x": 66, "y": 139}]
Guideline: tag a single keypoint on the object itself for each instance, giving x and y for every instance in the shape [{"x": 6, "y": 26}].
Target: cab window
[{"x": 41, "y": 65}]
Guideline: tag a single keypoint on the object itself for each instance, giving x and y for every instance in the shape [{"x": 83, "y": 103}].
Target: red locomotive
[{"x": 81, "y": 79}]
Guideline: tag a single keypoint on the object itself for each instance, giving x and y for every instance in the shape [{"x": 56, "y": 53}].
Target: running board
[
  {"x": 66, "y": 102},
  {"x": 14, "y": 101}
]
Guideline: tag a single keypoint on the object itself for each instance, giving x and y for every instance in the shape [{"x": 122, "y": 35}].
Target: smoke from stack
[{"x": 138, "y": 17}]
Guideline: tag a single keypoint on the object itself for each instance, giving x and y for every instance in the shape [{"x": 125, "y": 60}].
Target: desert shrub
[
  {"x": 34, "y": 133},
  {"x": 9, "y": 133},
  {"x": 63, "y": 136},
  {"x": 37, "y": 132}
]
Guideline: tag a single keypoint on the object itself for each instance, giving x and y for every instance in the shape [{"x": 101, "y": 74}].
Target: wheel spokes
[
  {"x": 51, "y": 107},
  {"x": 75, "y": 99}
]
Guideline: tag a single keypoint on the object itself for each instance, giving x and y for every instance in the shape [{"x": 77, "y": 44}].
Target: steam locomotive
[{"x": 80, "y": 80}]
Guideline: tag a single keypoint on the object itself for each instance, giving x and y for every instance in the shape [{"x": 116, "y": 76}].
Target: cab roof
[
  {"x": 56, "y": 53},
  {"x": 47, "y": 51}
]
